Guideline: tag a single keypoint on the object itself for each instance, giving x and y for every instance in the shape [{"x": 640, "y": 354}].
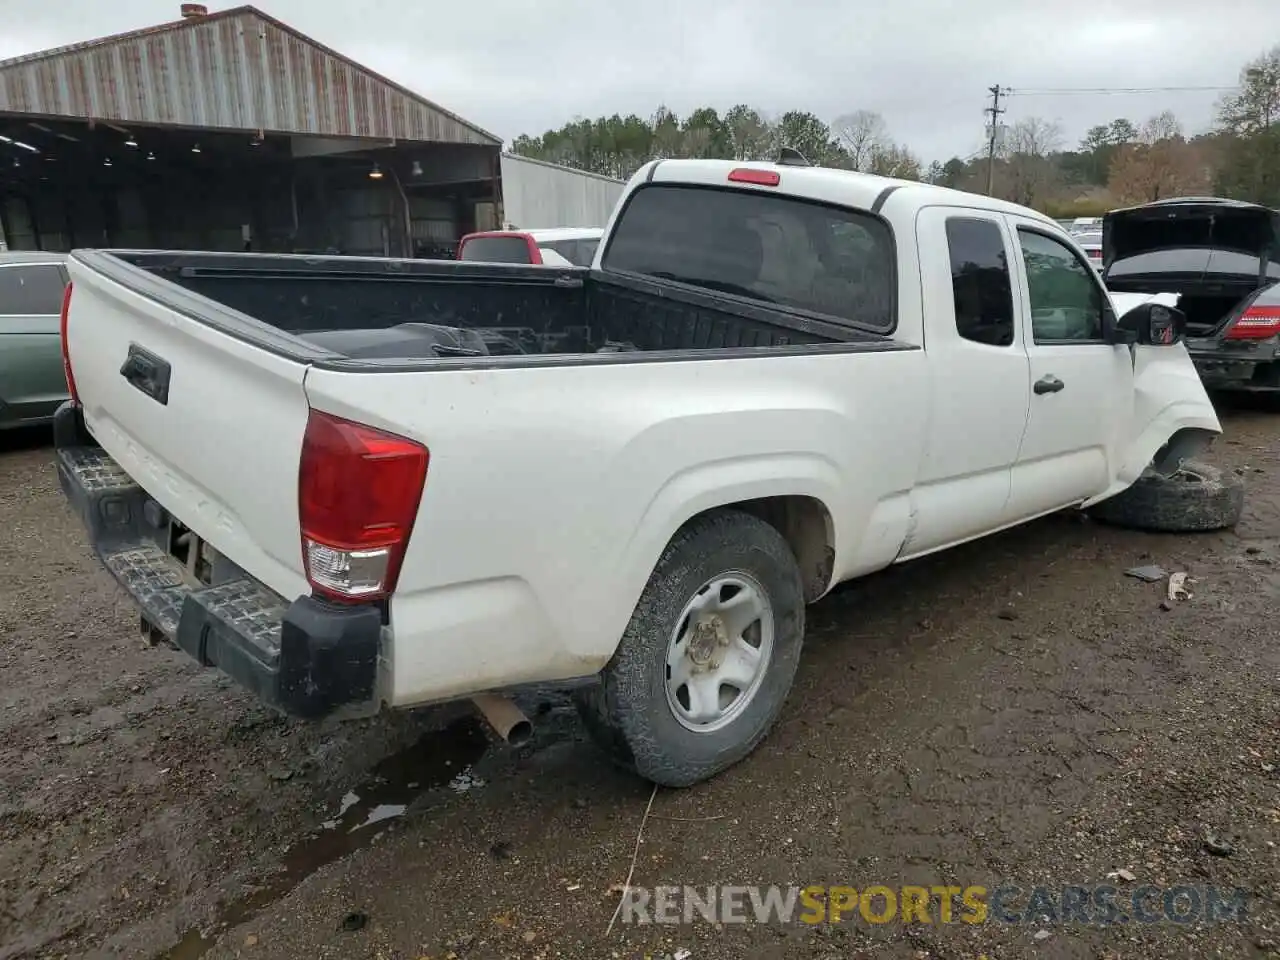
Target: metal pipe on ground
[{"x": 507, "y": 720}]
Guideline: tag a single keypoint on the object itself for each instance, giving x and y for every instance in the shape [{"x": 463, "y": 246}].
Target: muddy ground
[{"x": 1017, "y": 710}]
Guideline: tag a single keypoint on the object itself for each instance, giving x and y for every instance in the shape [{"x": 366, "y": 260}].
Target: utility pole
[{"x": 995, "y": 110}]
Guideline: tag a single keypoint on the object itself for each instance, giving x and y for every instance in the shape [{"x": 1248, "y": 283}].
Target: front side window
[
  {"x": 980, "y": 281},
  {"x": 1067, "y": 301},
  {"x": 766, "y": 247}
]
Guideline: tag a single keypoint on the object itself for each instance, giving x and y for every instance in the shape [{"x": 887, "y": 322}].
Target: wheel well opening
[
  {"x": 1182, "y": 446},
  {"x": 805, "y": 523}
]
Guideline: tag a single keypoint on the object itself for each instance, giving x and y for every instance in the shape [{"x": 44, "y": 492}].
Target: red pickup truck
[{"x": 560, "y": 247}]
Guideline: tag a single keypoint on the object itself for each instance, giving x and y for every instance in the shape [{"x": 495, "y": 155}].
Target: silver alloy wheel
[{"x": 719, "y": 652}]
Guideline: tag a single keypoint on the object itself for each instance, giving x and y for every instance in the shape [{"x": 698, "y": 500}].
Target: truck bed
[{"x": 343, "y": 311}]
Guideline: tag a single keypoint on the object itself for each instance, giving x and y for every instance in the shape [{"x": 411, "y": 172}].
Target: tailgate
[{"x": 210, "y": 425}]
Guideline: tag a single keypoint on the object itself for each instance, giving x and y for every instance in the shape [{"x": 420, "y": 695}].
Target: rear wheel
[
  {"x": 1197, "y": 497},
  {"x": 706, "y": 663}
]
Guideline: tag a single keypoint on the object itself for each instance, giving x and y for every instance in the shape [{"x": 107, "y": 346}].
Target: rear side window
[
  {"x": 30, "y": 290},
  {"x": 770, "y": 248},
  {"x": 980, "y": 281},
  {"x": 496, "y": 250}
]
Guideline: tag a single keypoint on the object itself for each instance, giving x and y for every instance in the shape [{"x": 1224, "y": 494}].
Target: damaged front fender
[{"x": 1173, "y": 418}]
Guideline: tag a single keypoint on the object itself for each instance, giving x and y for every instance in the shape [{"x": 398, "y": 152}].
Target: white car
[
  {"x": 378, "y": 484},
  {"x": 559, "y": 246},
  {"x": 1090, "y": 242}
]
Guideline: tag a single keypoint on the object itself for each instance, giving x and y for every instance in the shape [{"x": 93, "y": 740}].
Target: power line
[{"x": 1109, "y": 91}]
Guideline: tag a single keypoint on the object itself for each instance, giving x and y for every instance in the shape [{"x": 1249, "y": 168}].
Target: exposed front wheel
[
  {"x": 709, "y": 656},
  {"x": 1198, "y": 497}
]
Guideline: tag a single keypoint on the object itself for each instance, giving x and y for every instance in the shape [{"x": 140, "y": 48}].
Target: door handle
[{"x": 1048, "y": 384}]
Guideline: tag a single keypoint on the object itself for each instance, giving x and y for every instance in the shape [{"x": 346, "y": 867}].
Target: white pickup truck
[{"x": 356, "y": 484}]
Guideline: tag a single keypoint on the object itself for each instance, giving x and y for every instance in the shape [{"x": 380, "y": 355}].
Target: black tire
[
  {"x": 628, "y": 713},
  {"x": 1196, "y": 498}
]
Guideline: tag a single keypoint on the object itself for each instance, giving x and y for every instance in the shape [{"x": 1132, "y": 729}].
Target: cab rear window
[{"x": 774, "y": 249}]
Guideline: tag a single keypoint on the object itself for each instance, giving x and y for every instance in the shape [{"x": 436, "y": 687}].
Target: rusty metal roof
[{"x": 237, "y": 69}]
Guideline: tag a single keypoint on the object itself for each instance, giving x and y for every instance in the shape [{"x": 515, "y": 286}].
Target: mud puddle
[{"x": 442, "y": 758}]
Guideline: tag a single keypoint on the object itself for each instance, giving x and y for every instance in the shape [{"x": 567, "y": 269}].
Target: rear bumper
[
  {"x": 307, "y": 658},
  {"x": 1243, "y": 367}
]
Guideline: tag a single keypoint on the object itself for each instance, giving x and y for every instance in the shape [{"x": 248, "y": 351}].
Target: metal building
[
  {"x": 231, "y": 131},
  {"x": 539, "y": 195}
]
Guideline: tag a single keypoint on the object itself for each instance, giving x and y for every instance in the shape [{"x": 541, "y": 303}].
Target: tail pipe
[{"x": 507, "y": 720}]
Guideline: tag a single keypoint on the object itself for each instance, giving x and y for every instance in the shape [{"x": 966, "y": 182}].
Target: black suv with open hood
[{"x": 1222, "y": 259}]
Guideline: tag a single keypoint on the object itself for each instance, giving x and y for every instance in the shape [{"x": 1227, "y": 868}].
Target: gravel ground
[{"x": 1017, "y": 710}]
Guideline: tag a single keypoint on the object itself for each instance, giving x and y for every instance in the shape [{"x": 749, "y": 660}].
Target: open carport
[{"x": 232, "y": 131}]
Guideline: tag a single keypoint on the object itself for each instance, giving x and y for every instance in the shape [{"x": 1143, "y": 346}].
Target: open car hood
[{"x": 1175, "y": 243}]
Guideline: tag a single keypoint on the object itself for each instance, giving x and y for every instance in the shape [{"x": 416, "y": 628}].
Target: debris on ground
[
  {"x": 1148, "y": 574},
  {"x": 1127, "y": 876},
  {"x": 1178, "y": 587},
  {"x": 465, "y": 781},
  {"x": 1217, "y": 846}
]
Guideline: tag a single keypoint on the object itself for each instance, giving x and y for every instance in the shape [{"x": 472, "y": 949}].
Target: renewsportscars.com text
[{"x": 1100, "y": 905}]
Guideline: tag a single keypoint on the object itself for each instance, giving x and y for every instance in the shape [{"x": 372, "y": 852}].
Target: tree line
[{"x": 1116, "y": 163}]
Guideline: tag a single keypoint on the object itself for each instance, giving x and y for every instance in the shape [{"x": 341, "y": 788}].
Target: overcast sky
[{"x": 522, "y": 66}]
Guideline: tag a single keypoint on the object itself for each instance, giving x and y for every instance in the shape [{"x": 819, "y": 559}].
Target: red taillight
[
  {"x": 66, "y": 350},
  {"x": 358, "y": 494},
  {"x": 1256, "y": 323},
  {"x": 761, "y": 178}
]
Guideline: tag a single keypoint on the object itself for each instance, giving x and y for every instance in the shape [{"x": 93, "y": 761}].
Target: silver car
[{"x": 32, "y": 382}]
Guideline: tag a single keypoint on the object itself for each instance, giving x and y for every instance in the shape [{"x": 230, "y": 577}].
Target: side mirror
[{"x": 1151, "y": 324}]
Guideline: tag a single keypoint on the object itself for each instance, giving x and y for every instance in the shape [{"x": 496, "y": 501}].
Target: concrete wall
[{"x": 537, "y": 195}]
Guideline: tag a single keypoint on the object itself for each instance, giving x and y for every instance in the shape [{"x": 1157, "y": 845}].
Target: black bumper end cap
[
  {"x": 328, "y": 656},
  {"x": 68, "y": 427}
]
